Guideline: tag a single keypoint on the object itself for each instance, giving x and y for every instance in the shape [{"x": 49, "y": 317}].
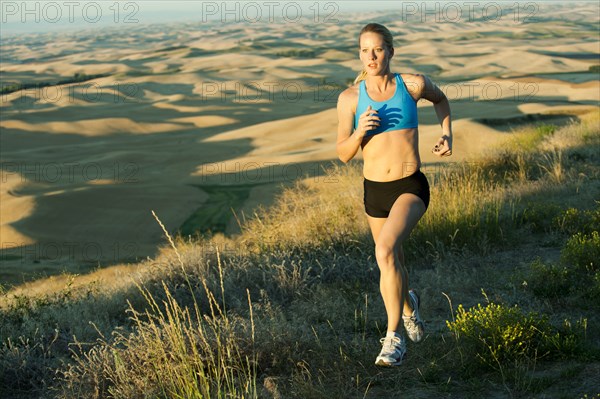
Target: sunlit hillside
[{"x": 505, "y": 261}]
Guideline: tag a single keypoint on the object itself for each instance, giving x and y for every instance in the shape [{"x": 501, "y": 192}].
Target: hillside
[{"x": 289, "y": 307}]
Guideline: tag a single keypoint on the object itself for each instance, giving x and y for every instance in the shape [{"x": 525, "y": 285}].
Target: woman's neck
[{"x": 379, "y": 82}]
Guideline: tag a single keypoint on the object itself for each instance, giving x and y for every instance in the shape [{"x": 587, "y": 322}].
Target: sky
[
  {"x": 33, "y": 16},
  {"x": 50, "y": 16}
]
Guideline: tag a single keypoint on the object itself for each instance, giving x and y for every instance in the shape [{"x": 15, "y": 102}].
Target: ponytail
[{"x": 361, "y": 76}]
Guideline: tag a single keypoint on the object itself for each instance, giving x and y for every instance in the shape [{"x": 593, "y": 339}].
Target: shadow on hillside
[{"x": 92, "y": 193}]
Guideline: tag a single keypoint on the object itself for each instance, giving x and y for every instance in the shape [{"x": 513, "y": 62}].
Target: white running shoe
[
  {"x": 392, "y": 353},
  {"x": 413, "y": 324}
]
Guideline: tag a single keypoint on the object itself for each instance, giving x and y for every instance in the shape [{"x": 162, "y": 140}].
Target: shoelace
[
  {"x": 412, "y": 326},
  {"x": 390, "y": 343}
]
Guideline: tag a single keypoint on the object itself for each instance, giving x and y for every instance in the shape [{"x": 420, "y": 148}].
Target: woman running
[{"x": 379, "y": 115}]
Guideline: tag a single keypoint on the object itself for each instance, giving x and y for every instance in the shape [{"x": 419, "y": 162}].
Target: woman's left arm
[{"x": 428, "y": 90}]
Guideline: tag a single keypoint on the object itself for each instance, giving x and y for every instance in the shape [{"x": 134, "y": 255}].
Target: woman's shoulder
[
  {"x": 412, "y": 77},
  {"x": 415, "y": 83},
  {"x": 350, "y": 94}
]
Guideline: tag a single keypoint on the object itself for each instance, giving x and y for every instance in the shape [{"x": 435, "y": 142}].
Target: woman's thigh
[{"x": 406, "y": 212}]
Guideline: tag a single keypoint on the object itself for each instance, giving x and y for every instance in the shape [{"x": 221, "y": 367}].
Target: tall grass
[
  {"x": 467, "y": 211},
  {"x": 316, "y": 212},
  {"x": 174, "y": 351}
]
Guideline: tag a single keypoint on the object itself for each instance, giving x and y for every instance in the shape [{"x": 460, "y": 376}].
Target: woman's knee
[{"x": 385, "y": 254}]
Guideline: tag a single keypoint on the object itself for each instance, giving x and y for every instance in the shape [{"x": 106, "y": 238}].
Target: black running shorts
[{"x": 379, "y": 197}]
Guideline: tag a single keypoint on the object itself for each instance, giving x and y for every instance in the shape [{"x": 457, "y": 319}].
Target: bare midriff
[{"x": 391, "y": 155}]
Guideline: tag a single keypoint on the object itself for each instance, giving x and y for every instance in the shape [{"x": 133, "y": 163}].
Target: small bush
[
  {"x": 572, "y": 221},
  {"x": 582, "y": 251},
  {"x": 539, "y": 216},
  {"x": 550, "y": 281},
  {"x": 500, "y": 336},
  {"x": 576, "y": 277}
]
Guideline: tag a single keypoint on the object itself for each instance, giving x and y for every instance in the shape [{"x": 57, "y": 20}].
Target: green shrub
[
  {"x": 582, "y": 251},
  {"x": 499, "y": 336},
  {"x": 549, "y": 281},
  {"x": 538, "y": 216},
  {"x": 572, "y": 221},
  {"x": 576, "y": 276}
]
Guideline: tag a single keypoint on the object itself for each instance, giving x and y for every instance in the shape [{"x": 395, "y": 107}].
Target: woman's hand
[
  {"x": 368, "y": 120},
  {"x": 443, "y": 147}
]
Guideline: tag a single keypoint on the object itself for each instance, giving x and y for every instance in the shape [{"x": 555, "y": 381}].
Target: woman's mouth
[{"x": 372, "y": 65}]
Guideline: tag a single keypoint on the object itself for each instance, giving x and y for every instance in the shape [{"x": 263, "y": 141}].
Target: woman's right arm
[{"x": 348, "y": 138}]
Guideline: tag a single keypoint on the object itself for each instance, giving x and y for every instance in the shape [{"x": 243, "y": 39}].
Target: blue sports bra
[{"x": 399, "y": 112}]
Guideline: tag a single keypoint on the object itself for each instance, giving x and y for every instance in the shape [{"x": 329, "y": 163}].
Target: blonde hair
[{"x": 387, "y": 39}]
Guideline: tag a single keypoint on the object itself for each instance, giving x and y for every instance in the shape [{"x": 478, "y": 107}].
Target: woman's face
[{"x": 374, "y": 53}]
